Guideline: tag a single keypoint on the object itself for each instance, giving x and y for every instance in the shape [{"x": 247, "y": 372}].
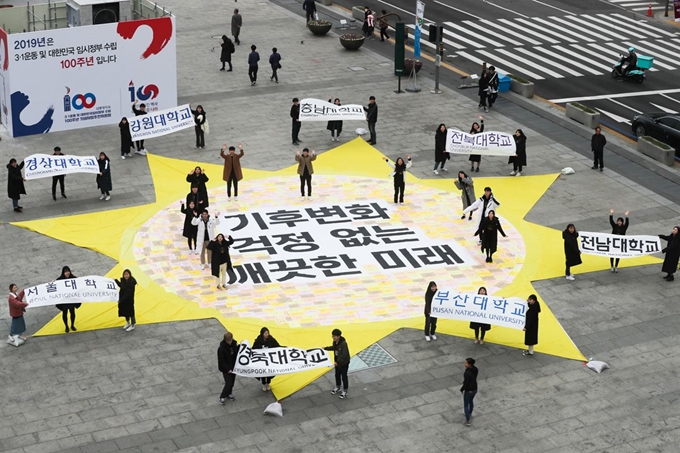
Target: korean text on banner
[
  {"x": 318, "y": 110},
  {"x": 617, "y": 246},
  {"x": 45, "y": 165},
  {"x": 483, "y": 143},
  {"x": 162, "y": 122},
  {"x": 420, "y": 14},
  {"x": 92, "y": 288},
  {"x": 274, "y": 361},
  {"x": 479, "y": 308}
]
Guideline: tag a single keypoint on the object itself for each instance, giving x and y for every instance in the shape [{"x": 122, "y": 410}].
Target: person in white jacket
[
  {"x": 486, "y": 203},
  {"x": 206, "y": 231}
]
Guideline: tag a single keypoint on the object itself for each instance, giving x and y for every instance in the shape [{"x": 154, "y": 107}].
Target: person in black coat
[
  {"x": 199, "y": 121},
  {"x": 275, "y": 63},
  {"x": 489, "y": 235},
  {"x": 476, "y": 129},
  {"x": 519, "y": 160},
  {"x": 264, "y": 341},
  {"x": 469, "y": 388},
  {"x": 221, "y": 261},
  {"x": 480, "y": 328},
  {"x": 430, "y": 321},
  {"x": 672, "y": 251},
  {"x": 572, "y": 253},
  {"x": 310, "y": 9},
  {"x": 104, "y": 183},
  {"x": 335, "y": 126},
  {"x": 440, "y": 154},
  {"x": 226, "y": 360},
  {"x": 371, "y": 118},
  {"x": 619, "y": 227},
  {"x": 341, "y": 359},
  {"x": 198, "y": 178},
  {"x": 190, "y": 230},
  {"x": 483, "y": 91},
  {"x": 126, "y": 300},
  {"x": 125, "y": 138},
  {"x": 531, "y": 324},
  {"x": 68, "y": 308},
  {"x": 15, "y": 183},
  {"x": 597, "y": 143},
  {"x": 295, "y": 116},
  {"x": 227, "y": 49}
]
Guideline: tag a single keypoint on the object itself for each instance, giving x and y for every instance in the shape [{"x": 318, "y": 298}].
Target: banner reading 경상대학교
[
  {"x": 45, "y": 165},
  {"x": 479, "y": 308},
  {"x": 274, "y": 361},
  {"x": 92, "y": 288}
]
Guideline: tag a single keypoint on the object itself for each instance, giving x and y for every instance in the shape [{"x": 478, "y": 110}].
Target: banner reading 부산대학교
[
  {"x": 318, "y": 110},
  {"x": 618, "y": 246},
  {"x": 274, "y": 361},
  {"x": 45, "y": 165},
  {"x": 92, "y": 288},
  {"x": 163, "y": 122},
  {"x": 479, "y": 308},
  {"x": 482, "y": 143}
]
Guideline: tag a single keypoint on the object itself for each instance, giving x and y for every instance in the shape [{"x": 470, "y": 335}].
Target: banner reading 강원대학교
[
  {"x": 45, "y": 165},
  {"x": 318, "y": 110},
  {"x": 479, "y": 308},
  {"x": 162, "y": 122},
  {"x": 482, "y": 143},
  {"x": 274, "y": 361},
  {"x": 92, "y": 288}
]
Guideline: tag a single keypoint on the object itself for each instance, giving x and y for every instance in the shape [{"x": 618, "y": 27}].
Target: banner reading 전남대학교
[
  {"x": 92, "y": 288},
  {"x": 479, "y": 308},
  {"x": 482, "y": 143},
  {"x": 163, "y": 122},
  {"x": 274, "y": 361},
  {"x": 617, "y": 246},
  {"x": 45, "y": 165},
  {"x": 318, "y": 110}
]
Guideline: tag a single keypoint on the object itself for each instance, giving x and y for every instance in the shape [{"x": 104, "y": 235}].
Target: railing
[{"x": 144, "y": 9}]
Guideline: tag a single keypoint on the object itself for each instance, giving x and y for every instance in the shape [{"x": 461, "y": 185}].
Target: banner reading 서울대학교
[
  {"x": 482, "y": 143},
  {"x": 617, "y": 246},
  {"x": 274, "y": 361},
  {"x": 45, "y": 165},
  {"x": 92, "y": 288},
  {"x": 318, "y": 110},
  {"x": 479, "y": 308},
  {"x": 163, "y": 122}
]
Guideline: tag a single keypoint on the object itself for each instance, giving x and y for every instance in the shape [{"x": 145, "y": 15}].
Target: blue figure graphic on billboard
[{"x": 19, "y": 101}]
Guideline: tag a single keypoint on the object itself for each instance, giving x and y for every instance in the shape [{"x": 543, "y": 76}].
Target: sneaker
[
  {"x": 335, "y": 390},
  {"x": 102, "y": 197},
  {"x": 122, "y": 157},
  {"x": 131, "y": 328},
  {"x": 468, "y": 422},
  {"x": 231, "y": 398},
  {"x": 108, "y": 197},
  {"x": 236, "y": 198},
  {"x": 571, "y": 278},
  {"x": 264, "y": 388},
  {"x": 269, "y": 387},
  {"x": 128, "y": 155},
  {"x": 436, "y": 172},
  {"x": 309, "y": 198},
  {"x": 222, "y": 401},
  {"x": 444, "y": 169},
  {"x": 525, "y": 353},
  {"x": 140, "y": 152},
  {"x": 434, "y": 337},
  {"x": 302, "y": 198},
  {"x": 486, "y": 110},
  {"x": 144, "y": 151},
  {"x": 343, "y": 395},
  {"x": 427, "y": 338},
  {"x": 481, "y": 341},
  {"x": 518, "y": 174},
  {"x": 10, "y": 340},
  {"x": 513, "y": 173},
  {"x": 616, "y": 270},
  {"x": 612, "y": 269},
  {"x": 125, "y": 327},
  {"x": 476, "y": 341},
  {"x": 204, "y": 267}
]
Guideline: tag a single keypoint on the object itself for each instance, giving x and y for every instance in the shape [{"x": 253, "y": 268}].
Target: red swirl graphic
[
  {"x": 3, "y": 39},
  {"x": 162, "y": 33}
]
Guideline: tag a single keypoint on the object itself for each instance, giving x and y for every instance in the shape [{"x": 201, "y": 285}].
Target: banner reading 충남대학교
[
  {"x": 163, "y": 122},
  {"x": 45, "y": 165},
  {"x": 274, "y": 361},
  {"x": 92, "y": 288},
  {"x": 318, "y": 110},
  {"x": 479, "y": 308},
  {"x": 618, "y": 246},
  {"x": 482, "y": 143}
]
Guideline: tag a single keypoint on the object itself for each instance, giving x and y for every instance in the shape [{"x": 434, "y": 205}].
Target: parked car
[{"x": 664, "y": 127}]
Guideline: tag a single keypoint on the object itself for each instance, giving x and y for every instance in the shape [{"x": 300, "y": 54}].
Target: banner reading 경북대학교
[
  {"x": 274, "y": 361},
  {"x": 318, "y": 110},
  {"x": 45, "y": 165},
  {"x": 482, "y": 143},
  {"x": 617, "y": 246},
  {"x": 92, "y": 288},
  {"x": 162, "y": 122},
  {"x": 479, "y": 308}
]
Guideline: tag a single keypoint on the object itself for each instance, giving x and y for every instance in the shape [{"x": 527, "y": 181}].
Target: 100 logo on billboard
[
  {"x": 79, "y": 101},
  {"x": 143, "y": 93}
]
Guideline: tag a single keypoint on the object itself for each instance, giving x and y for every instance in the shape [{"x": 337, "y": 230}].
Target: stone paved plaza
[{"x": 156, "y": 390}]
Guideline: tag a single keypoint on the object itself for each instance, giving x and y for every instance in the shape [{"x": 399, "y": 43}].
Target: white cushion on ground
[
  {"x": 361, "y": 131},
  {"x": 597, "y": 365},
  {"x": 274, "y": 409},
  {"x": 568, "y": 171}
]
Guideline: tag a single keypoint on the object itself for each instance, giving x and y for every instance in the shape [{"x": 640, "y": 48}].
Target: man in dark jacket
[
  {"x": 597, "y": 145},
  {"x": 15, "y": 183},
  {"x": 226, "y": 359},
  {"x": 253, "y": 59},
  {"x": 295, "y": 115},
  {"x": 236, "y": 23},
  {"x": 58, "y": 178},
  {"x": 371, "y": 118},
  {"x": 310, "y": 8},
  {"x": 341, "y": 359},
  {"x": 139, "y": 143},
  {"x": 469, "y": 389}
]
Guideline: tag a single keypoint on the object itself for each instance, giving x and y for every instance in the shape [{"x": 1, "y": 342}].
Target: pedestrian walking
[
  {"x": 483, "y": 90},
  {"x": 253, "y": 59},
  {"x": 205, "y": 230},
  {"x": 371, "y": 118},
  {"x": 480, "y": 328},
  {"x": 125, "y": 138},
  {"x": 200, "y": 120},
  {"x": 310, "y": 9},
  {"x": 672, "y": 251},
  {"x": 398, "y": 174},
  {"x": 15, "y": 183},
  {"x": 466, "y": 186},
  {"x": 305, "y": 170},
  {"x": 221, "y": 261},
  {"x": 141, "y": 150},
  {"x": 486, "y": 203},
  {"x": 370, "y": 22},
  {"x": 295, "y": 116},
  {"x": 382, "y": 23},
  {"x": 571, "y": 251},
  {"x": 531, "y": 324},
  {"x": 335, "y": 126},
  {"x": 236, "y": 23},
  {"x": 476, "y": 129},
  {"x": 493, "y": 86},
  {"x": 430, "y": 321},
  {"x": 67, "y": 309},
  {"x": 190, "y": 231},
  {"x": 265, "y": 341},
  {"x": 519, "y": 160},
  {"x": 597, "y": 143},
  {"x": 57, "y": 179},
  {"x": 275, "y": 63},
  {"x": 232, "y": 173},
  {"x": 198, "y": 179},
  {"x": 619, "y": 228},
  {"x": 17, "y": 308},
  {"x": 126, "y": 300},
  {"x": 440, "y": 153},
  {"x": 469, "y": 389},
  {"x": 226, "y": 360},
  {"x": 225, "y": 54},
  {"x": 104, "y": 183},
  {"x": 488, "y": 233},
  {"x": 365, "y": 26},
  {"x": 341, "y": 358}
]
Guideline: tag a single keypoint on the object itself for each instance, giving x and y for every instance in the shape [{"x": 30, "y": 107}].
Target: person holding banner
[
  {"x": 57, "y": 179},
  {"x": 430, "y": 321},
  {"x": 125, "y": 138},
  {"x": 572, "y": 253},
  {"x": 475, "y": 129},
  {"x": 519, "y": 160},
  {"x": 466, "y": 186},
  {"x": 68, "y": 308},
  {"x": 672, "y": 251},
  {"x": 15, "y": 183},
  {"x": 440, "y": 154},
  {"x": 198, "y": 178},
  {"x": 341, "y": 357},
  {"x": 469, "y": 389},
  {"x": 488, "y": 233},
  {"x": 141, "y": 111},
  {"x": 480, "y": 328},
  {"x": 126, "y": 300},
  {"x": 618, "y": 228},
  {"x": 264, "y": 341},
  {"x": 104, "y": 183},
  {"x": 226, "y": 360},
  {"x": 190, "y": 231},
  {"x": 221, "y": 261},
  {"x": 531, "y": 324},
  {"x": 335, "y": 126},
  {"x": 17, "y": 307},
  {"x": 399, "y": 169},
  {"x": 232, "y": 173}
]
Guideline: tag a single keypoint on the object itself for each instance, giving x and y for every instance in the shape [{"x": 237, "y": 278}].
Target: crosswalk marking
[
  {"x": 543, "y": 29},
  {"x": 505, "y": 31},
  {"x": 668, "y": 97},
  {"x": 480, "y": 62},
  {"x": 640, "y": 23},
  {"x": 596, "y": 26},
  {"x": 633, "y": 29},
  {"x": 582, "y": 30},
  {"x": 526, "y": 30},
  {"x": 582, "y": 67},
  {"x": 645, "y": 50},
  {"x": 510, "y": 64},
  {"x": 475, "y": 35},
  {"x": 578, "y": 35},
  {"x": 624, "y": 105},
  {"x": 589, "y": 61},
  {"x": 530, "y": 63},
  {"x": 663, "y": 109},
  {"x": 658, "y": 48},
  {"x": 493, "y": 29},
  {"x": 550, "y": 62}
]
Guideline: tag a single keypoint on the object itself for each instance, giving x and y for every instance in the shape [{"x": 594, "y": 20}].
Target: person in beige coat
[
  {"x": 232, "y": 168},
  {"x": 305, "y": 170}
]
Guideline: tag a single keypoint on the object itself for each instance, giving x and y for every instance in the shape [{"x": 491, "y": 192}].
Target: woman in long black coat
[
  {"x": 531, "y": 324},
  {"x": 104, "y": 183},
  {"x": 221, "y": 261},
  {"x": 480, "y": 328},
  {"x": 519, "y": 160},
  {"x": 440, "y": 154},
  {"x": 476, "y": 129},
  {"x": 68, "y": 308},
  {"x": 335, "y": 126},
  {"x": 672, "y": 251},
  {"x": 489, "y": 234},
  {"x": 190, "y": 230},
  {"x": 264, "y": 341},
  {"x": 199, "y": 178},
  {"x": 572, "y": 253},
  {"x": 15, "y": 183},
  {"x": 126, "y": 300},
  {"x": 125, "y": 138},
  {"x": 227, "y": 49},
  {"x": 483, "y": 91}
]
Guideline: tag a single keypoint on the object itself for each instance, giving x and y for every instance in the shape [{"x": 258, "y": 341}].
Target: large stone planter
[
  {"x": 358, "y": 13},
  {"x": 326, "y": 2},
  {"x": 351, "y": 41},
  {"x": 409, "y": 63},
  {"x": 521, "y": 88},
  {"x": 656, "y": 152},
  {"x": 589, "y": 119},
  {"x": 319, "y": 27}
]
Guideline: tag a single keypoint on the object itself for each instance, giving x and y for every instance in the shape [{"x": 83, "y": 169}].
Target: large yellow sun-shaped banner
[{"x": 348, "y": 258}]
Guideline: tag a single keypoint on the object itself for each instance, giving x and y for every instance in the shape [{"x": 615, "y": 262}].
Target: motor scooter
[{"x": 637, "y": 74}]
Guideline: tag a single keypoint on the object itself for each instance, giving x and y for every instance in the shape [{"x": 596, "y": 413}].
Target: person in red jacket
[{"x": 17, "y": 307}]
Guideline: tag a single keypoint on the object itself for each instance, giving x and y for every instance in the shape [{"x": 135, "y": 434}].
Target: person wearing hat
[
  {"x": 341, "y": 361},
  {"x": 305, "y": 170},
  {"x": 58, "y": 178},
  {"x": 264, "y": 341}
]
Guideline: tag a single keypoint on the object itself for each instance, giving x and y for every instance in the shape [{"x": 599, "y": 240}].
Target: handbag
[{"x": 205, "y": 127}]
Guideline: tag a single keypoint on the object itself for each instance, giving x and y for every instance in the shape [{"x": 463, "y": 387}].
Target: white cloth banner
[
  {"x": 162, "y": 122},
  {"x": 274, "y": 361},
  {"x": 478, "y": 308},
  {"x": 617, "y": 246},
  {"x": 92, "y": 288},
  {"x": 318, "y": 110},
  {"x": 482, "y": 143},
  {"x": 45, "y": 165}
]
